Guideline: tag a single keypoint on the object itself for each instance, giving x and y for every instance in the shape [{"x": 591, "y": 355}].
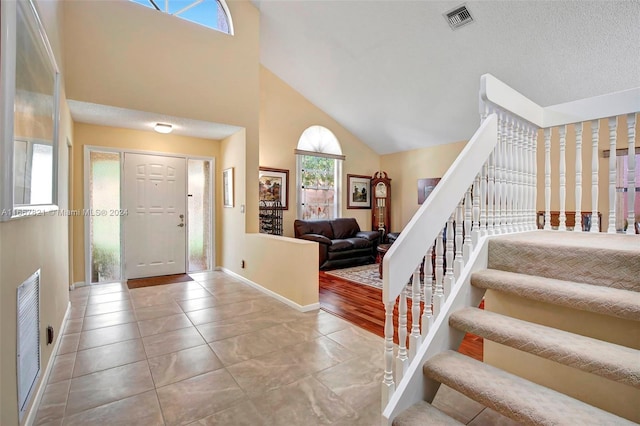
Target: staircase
[
  {"x": 593, "y": 273},
  {"x": 561, "y": 323}
]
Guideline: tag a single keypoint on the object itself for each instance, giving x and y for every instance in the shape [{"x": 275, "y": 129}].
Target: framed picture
[
  {"x": 274, "y": 186},
  {"x": 227, "y": 187},
  {"x": 425, "y": 187},
  {"x": 359, "y": 192}
]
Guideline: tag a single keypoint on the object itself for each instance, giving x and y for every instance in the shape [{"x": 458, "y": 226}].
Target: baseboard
[
  {"x": 291, "y": 303},
  {"x": 30, "y": 417},
  {"x": 77, "y": 284}
]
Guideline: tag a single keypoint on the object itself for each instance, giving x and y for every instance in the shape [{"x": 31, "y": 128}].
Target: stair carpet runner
[{"x": 555, "y": 268}]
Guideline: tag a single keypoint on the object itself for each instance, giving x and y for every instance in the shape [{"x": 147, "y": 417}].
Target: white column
[
  {"x": 467, "y": 245},
  {"x": 595, "y": 222},
  {"x": 448, "y": 277},
  {"x": 631, "y": 176},
  {"x": 547, "y": 178},
  {"x": 458, "y": 263},
  {"x": 388, "y": 385},
  {"x": 438, "y": 296},
  {"x": 414, "y": 337},
  {"x": 402, "y": 360},
  {"x": 562, "y": 226},
  {"x": 427, "y": 312},
  {"x": 578, "y": 129},
  {"x": 613, "y": 125}
]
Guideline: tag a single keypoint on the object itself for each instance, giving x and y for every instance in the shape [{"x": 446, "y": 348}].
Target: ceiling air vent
[{"x": 458, "y": 17}]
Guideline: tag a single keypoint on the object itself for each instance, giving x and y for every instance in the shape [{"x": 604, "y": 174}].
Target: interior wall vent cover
[
  {"x": 28, "y": 339},
  {"x": 458, "y": 17}
]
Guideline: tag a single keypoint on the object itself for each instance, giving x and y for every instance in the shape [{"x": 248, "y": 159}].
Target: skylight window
[{"x": 209, "y": 13}]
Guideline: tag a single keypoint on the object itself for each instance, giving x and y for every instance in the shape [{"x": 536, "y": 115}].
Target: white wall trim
[
  {"x": 291, "y": 303},
  {"x": 33, "y": 411}
]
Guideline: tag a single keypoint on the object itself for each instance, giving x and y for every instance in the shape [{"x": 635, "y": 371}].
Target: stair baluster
[
  {"x": 518, "y": 167},
  {"x": 475, "y": 229},
  {"x": 448, "y": 277},
  {"x": 533, "y": 140},
  {"x": 388, "y": 385},
  {"x": 631, "y": 175},
  {"x": 402, "y": 360},
  {"x": 547, "y": 179},
  {"x": 611, "y": 229},
  {"x": 491, "y": 175},
  {"x": 510, "y": 176},
  {"x": 438, "y": 297},
  {"x": 467, "y": 246},
  {"x": 483, "y": 200},
  {"x": 563, "y": 178},
  {"x": 497, "y": 157},
  {"x": 415, "y": 339},
  {"x": 503, "y": 175},
  {"x": 427, "y": 312},
  {"x": 458, "y": 263},
  {"x": 578, "y": 221},
  {"x": 595, "y": 222}
]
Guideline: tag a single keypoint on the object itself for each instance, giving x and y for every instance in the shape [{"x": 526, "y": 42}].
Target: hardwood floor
[
  {"x": 362, "y": 305},
  {"x": 161, "y": 280}
]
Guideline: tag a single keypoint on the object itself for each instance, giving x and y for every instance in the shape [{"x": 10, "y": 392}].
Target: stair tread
[
  {"x": 587, "y": 297},
  {"x": 609, "y": 260},
  {"x": 595, "y": 356},
  {"x": 512, "y": 396},
  {"x": 423, "y": 413}
]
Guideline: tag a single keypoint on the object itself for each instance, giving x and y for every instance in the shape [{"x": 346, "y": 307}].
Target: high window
[
  {"x": 209, "y": 13},
  {"x": 319, "y": 163}
]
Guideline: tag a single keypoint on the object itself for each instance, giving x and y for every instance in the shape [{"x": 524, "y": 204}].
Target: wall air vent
[{"x": 458, "y": 17}]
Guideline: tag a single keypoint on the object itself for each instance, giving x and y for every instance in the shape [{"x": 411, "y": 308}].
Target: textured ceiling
[
  {"x": 395, "y": 74},
  {"x": 85, "y": 112}
]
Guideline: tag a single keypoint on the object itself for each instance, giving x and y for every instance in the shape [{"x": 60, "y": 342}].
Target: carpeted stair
[{"x": 582, "y": 271}]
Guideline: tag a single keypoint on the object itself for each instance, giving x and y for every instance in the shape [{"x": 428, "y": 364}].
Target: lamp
[{"x": 163, "y": 128}]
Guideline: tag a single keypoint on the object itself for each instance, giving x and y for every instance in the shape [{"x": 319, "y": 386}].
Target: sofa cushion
[
  {"x": 320, "y": 227},
  {"x": 340, "y": 245},
  {"x": 358, "y": 243},
  {"x": 344, "y": 227}
]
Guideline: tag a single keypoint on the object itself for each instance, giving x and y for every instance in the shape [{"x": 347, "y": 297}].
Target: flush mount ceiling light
[{"x": 163, "y": 128}]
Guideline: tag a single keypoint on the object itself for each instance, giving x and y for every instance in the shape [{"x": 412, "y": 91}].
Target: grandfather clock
[{"x": 381, "y": 203}]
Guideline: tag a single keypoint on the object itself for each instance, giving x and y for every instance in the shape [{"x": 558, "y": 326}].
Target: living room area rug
[{"x": 365, "y": 275}]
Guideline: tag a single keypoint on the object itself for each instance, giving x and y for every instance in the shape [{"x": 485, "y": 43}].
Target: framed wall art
[
  {"x": 227, "y": 187},
  {"x": 425, "y": 187},
  {"x": 274, "y": 186},
  {"x": 358, "y": 192}
]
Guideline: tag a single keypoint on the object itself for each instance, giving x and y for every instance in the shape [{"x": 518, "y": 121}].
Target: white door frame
[{"x": 121, "y": 152}]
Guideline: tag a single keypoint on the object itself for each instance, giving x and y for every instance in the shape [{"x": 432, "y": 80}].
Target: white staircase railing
[{"x": 491, "y": 189}]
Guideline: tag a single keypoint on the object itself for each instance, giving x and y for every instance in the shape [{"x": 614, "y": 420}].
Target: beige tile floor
[{"x": 216, "y": 351}]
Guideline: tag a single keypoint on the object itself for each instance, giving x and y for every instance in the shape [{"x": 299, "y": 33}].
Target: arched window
[
  {"x": 209, "y": 13},
  {"x": 319, "y": 162}
]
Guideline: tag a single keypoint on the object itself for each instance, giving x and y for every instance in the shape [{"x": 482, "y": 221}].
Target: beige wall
[
  {"x": 284, "y": 115},
  {"x": 603, "y": 167},
  {"x": 125, "y": 139},
  {"x": 35, "y": 243},
  {"x": 122, "y": 54},
  {"x": 405, "y": 168},
  {"x": 270, "y": 266}
]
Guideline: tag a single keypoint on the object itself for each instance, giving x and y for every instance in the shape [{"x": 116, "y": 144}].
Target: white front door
[{"x": 154, "y": 228}]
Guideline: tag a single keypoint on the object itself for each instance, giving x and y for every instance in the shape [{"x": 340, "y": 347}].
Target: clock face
[{"x": 381, "y": 190}]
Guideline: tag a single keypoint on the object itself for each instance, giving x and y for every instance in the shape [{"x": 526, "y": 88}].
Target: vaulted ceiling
[{"x": 394, "y": 73}]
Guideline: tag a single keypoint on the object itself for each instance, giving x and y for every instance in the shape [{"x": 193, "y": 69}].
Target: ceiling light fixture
[{"x": 163, "y": 128}]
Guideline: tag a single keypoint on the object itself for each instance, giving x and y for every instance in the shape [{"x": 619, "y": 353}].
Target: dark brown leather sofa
[{"x": 341, "y": 242}]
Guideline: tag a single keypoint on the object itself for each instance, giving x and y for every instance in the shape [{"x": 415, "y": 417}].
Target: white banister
[
  {"x": 402, "y": 360},
  {"x": 563, "y": 179},
  {"x": 427, "y": 313},
  {"x": 595, "y": 223},
  {"x": 415, "y": 338},
  {"x": 631, "y": 176},
  {"x": 611, "y": 229},
  {"x": 578, "y": 221},
  {"x": 547, "y": 179}
]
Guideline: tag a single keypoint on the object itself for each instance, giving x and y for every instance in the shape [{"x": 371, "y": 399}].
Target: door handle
[{"x": 181, "y": 225}]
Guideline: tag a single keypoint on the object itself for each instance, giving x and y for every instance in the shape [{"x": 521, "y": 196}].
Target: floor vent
[
  {"x": 459, "y": 17},
  {"x": 28, "y": 333}
]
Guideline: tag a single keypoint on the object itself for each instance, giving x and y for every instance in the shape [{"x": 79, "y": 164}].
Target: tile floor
[{"x": 216, "y": 351}]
